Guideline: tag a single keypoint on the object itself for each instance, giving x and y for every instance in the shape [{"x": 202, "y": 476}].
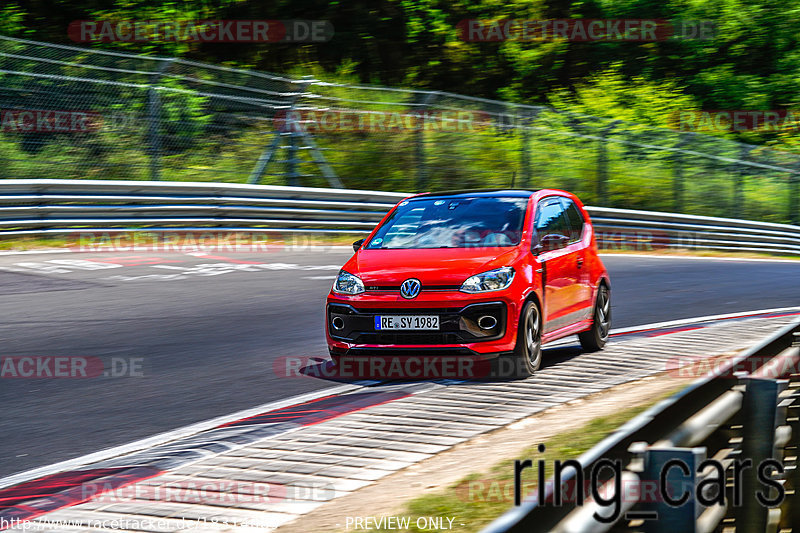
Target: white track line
[
  {"x": 708, "y": 318},
  {"x": 29, "y": 252},
  {"x": 161, "y": 438},
  {"x": 192, "y": 429},
  {"x": 681, "y": 322}
]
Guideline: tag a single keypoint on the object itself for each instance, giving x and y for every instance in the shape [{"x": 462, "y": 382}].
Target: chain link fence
[{"x": 70, "y": 112}]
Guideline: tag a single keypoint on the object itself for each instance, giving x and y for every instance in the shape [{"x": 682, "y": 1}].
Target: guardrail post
[
  {"x": 761, "y": 416},
  {"x": 670, "y": 463},
  {"x": 792, "y": 507}
]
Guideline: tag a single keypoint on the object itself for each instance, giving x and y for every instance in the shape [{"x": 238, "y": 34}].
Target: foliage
[{"x": 751, "y": 62}]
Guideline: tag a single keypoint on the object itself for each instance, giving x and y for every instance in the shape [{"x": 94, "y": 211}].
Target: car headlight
[
  {"x": 346, "y": 283},
  {"x": 493, "y": 280}
]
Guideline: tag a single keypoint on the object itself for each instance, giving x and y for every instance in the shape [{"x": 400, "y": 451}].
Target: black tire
[
  {"x": 595, "y": 339},
  {"x": 528, "y": 350}
]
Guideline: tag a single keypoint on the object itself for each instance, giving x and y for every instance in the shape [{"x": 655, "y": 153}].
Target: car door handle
[{"x": 580, "y": 262}]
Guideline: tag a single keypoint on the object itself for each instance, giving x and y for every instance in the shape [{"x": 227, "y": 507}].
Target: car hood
[{"x": 436, "y": 266}]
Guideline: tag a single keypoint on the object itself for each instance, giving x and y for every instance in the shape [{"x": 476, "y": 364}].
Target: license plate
[{"x": 407, "y": 322}]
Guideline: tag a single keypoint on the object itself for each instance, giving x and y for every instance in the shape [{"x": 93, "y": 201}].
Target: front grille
[
  {"x": 427, "y": 351},
  {"x": 456, "y": 325},
  {"x": 349, "y": 310}
]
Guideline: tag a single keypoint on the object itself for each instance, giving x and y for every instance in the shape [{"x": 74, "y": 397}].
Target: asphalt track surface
[{"x": 205, "y": 331}]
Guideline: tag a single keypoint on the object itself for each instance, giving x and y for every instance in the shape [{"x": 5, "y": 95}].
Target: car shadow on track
[{"x": 426, "y": 368}]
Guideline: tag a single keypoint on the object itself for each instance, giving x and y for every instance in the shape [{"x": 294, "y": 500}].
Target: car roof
[{"x": 490, "y": 193}]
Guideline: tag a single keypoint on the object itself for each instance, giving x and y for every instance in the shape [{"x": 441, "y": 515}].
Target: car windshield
[{"x": 453, "y": 222}]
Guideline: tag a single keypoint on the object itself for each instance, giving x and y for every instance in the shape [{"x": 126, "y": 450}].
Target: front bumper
[{"x": 350, "y": 325}]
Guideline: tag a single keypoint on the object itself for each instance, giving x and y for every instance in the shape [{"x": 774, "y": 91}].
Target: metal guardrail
[
  {"x": 70, "y": 206},
  {"x": 730, "y": 416},
  {"x": 45, "y": 206},
  {"x": 650, "y": 229}
]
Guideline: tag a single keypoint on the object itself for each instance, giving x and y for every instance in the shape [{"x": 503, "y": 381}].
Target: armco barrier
[
  {"x": 68, "y": 206},
  {"x": 747, "y": 410},
  {"x": 45, "y": 206}
]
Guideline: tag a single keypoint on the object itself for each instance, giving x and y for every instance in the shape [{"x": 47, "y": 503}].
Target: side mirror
[
  {"x": 357, "y": 244},
  {"x": 553, "y": 241}
]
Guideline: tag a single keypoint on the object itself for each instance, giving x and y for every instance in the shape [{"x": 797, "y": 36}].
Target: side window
[
  {"x": 550, "y": 219},
  {"x": 575, "y": 220}
]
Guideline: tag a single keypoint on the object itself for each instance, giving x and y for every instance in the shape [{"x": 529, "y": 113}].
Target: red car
[{"x": 478, "y": 272}]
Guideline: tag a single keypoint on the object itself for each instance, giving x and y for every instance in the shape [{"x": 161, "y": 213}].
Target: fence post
[
  {"x": 794, "y": 196},
  {"x": 264, "y": 160},
  {"x": 320, "y": 160},
  {"x": 738, "y": 183},
  {"x": 677, "y": 176},
  {"x": 525, "y": 149},
  {"x": 154, "y": 121},
  {"x": 268, "y": 154},
  {"x": 292, "y": 176},
  {"x": 602, "y": 164},
  {"x": 419, "y": 155},
  {"x": 760, "y": 417},
  {"x": 419, "y": 145}
]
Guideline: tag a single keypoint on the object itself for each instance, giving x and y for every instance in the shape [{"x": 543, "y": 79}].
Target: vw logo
[{"x": 410, "y": 288}]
